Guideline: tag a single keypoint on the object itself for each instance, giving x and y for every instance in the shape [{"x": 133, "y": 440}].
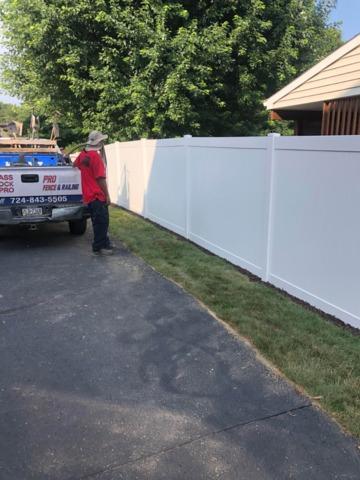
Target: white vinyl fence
[{"x": 285, "y": 208}]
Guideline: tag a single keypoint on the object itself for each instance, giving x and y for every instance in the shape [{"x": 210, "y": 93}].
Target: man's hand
[{"x": 108, "y": 201}]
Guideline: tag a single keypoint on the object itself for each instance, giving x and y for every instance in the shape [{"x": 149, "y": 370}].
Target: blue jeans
[{"x": 99, "y": 214}]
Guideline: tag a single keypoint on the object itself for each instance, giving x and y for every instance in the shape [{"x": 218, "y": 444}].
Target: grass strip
[{"x": 320, "y": 357}]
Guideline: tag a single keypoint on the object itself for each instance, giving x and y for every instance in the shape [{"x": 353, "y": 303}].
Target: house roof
[{"x": 336, "y": 76}]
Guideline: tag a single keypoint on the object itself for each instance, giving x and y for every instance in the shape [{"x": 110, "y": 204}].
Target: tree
[
  {"x": 153, "y": 68},
  {"x": 10, "y": 112}
]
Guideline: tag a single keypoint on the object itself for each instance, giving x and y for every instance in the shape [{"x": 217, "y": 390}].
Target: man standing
[{"x": 95, "y": 191}]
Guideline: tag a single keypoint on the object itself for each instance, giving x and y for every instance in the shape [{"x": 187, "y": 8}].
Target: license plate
[{"x": 31, "y": 211}]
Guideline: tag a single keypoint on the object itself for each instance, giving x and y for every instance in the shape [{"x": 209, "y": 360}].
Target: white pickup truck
[{"x": 37, "y": 186}]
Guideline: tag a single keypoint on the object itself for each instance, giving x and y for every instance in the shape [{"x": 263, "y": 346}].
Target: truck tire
[{"x": 78, "y": 227}]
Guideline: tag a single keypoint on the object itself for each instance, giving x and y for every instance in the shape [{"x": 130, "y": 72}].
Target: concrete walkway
[{"x": 108, "y": 372}]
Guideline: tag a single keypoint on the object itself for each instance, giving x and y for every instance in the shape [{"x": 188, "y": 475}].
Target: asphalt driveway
[{"x": 108, "y": 371}]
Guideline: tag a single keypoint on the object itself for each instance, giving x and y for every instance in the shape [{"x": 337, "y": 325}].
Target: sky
[{"x": 347, "y": 11}]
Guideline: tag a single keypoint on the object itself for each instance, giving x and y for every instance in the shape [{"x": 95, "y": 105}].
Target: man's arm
[
  {"x": 103, "y": 185},
  {"x": 75, "y": 163}
]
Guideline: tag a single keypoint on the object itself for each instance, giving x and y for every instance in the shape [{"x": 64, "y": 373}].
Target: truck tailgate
[{"x": 42, "y": 185}]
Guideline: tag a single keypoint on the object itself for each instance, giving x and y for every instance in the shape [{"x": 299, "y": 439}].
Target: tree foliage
[
  {"x": 153, "y": 68},
  {"x": 10, "y": 112}
]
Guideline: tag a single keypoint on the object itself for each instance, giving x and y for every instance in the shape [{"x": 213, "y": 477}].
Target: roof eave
[{"x": 270, "y": 102}]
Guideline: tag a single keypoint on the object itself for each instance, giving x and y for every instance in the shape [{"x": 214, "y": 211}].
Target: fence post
[
  {"x": 186, "y": 140},
  {"x": 270, "y": 202},
  {"x": 145, "y": 176}
]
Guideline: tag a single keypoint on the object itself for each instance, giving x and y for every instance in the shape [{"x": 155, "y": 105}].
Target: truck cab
[{"x": 38, "y": 186}]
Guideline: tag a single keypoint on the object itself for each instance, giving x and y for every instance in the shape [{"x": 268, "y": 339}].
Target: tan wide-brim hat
[{"x": 95, "y": 140}]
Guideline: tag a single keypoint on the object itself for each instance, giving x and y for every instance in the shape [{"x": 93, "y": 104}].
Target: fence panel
[
  {"x": 129, "y": 189},
  {"x": 228, "y": 199},
  {"x": 316, "y": 228},
  {"x": 166, "y": 184}
]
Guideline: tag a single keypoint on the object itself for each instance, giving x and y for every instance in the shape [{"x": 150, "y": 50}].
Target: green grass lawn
[{"x": 320, "y": 357}]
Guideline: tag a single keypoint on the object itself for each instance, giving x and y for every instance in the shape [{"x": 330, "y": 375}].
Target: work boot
[{"x": 107, "y": 251}]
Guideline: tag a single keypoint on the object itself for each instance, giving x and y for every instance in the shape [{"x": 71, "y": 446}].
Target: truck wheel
[{"x": 78, "y": 227}]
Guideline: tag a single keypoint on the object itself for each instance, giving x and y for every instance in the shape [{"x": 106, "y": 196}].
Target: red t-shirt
[{"x": 92, "y": 168}]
